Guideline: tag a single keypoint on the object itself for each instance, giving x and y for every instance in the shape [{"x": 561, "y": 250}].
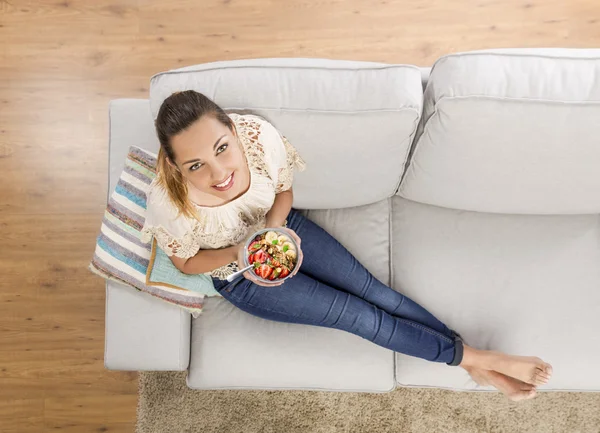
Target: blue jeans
[{"x": 332, "y": 289}]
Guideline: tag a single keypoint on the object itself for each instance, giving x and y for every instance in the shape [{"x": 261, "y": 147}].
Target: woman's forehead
[{"x": 199, "y": 139}]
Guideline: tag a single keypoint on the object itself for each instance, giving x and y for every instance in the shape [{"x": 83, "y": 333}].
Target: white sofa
[{"x": 473, "y": 188}]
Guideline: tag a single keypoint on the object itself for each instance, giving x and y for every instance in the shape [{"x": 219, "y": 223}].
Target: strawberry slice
[
  {"x": 255, "y": 246},
  {"x": 264, "y": 271},
  {"x": 251, "y": 259},
  {"x": 260, "y": 256},
  {"x": 284, "y": 272},
  {"x": 275, "y": 274}
]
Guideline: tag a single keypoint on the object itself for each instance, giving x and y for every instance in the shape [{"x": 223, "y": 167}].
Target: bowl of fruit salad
[{"x": 274, "y": 254}]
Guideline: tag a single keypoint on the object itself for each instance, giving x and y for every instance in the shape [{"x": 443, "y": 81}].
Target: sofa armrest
[{"x": 144, "y": 333}]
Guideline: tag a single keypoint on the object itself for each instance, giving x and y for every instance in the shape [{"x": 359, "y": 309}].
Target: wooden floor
[{"x": 61, "y": 61}]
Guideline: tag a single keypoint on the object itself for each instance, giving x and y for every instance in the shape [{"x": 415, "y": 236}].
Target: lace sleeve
[
  {"x": 184, "y": 246},
  {"x": 174, "y": 234},
  {"x": 281, "y": 157},
  {"x": 285, "y": 171}
]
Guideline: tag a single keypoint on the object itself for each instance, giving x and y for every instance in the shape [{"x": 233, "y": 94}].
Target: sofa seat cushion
[
  {"x": 232, "y": 349},
  {"x": 521, "y": 284}
]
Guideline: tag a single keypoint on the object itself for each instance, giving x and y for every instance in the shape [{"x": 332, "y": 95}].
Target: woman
[{"x": 222, "y": 177}]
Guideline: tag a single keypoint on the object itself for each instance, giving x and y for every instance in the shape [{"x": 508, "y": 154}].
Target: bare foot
[
  {"x": 512, "y": 388},
  {"x": 528, "y": 369},
  {"x": 477, "y": 374}
]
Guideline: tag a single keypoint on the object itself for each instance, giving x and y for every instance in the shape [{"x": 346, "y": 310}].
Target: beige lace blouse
[{"x": 271, "y": 161}]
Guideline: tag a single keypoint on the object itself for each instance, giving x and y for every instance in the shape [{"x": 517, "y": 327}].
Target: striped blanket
[{"x": 120, "y": 255}]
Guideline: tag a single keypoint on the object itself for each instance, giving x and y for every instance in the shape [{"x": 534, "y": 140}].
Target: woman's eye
[{"x": 197, "y": 166}]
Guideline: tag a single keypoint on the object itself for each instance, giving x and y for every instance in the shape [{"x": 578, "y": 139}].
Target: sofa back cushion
[
  {"x": 352, "y": 122},
  {"x": 510, "y": 131}
]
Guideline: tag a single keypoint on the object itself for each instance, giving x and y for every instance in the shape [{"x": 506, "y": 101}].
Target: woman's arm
[
  {"x": 280, "y": 209},
  {"x": 206, "y": 260}
]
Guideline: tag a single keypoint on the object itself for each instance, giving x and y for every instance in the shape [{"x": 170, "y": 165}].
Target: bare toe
[
  {"x": 525, "y": 386},
  {"x": 540, "y": 377},
  {"x": 526, "y": 392},
  {"x": 523, "y": 395}
]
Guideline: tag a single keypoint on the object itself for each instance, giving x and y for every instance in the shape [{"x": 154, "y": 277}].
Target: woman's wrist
[
  {"x": 235, "y": 250},
  {"x": 270, "y": 223}
]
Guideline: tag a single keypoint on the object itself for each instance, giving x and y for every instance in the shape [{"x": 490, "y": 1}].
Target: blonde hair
[
  {"x": 172, "y": 181},
  {"x": 176, "y": 114}
]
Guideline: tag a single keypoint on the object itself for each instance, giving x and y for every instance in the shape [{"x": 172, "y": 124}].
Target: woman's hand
[{"x": 250, "y": 275}]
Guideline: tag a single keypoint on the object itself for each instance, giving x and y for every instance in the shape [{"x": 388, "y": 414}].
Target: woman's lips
[{"x": 229, "y": 185}]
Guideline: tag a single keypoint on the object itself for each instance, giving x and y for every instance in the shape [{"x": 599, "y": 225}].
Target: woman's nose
[{"x": 220, "y": 176}]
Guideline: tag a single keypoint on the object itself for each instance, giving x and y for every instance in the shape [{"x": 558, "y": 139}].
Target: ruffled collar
[{"x": 260, "y": 194}]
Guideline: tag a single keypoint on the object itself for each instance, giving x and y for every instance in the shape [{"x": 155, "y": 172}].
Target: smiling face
[{"x": 212, "y": 162}]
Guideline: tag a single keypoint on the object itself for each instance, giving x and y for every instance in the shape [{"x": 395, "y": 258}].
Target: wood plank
[
  {"x": 62, "y": 372},
  {"x": 18, "y": 415},
  {"x": 100, "y": 411}
]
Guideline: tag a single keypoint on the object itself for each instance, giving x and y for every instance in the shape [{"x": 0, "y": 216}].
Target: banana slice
[
  {"x": 291, "y": 254},
  {"x": 270, "y": 237},
  {"x": 282, "y": 239},
  {"x": 290, "y": 246}
]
